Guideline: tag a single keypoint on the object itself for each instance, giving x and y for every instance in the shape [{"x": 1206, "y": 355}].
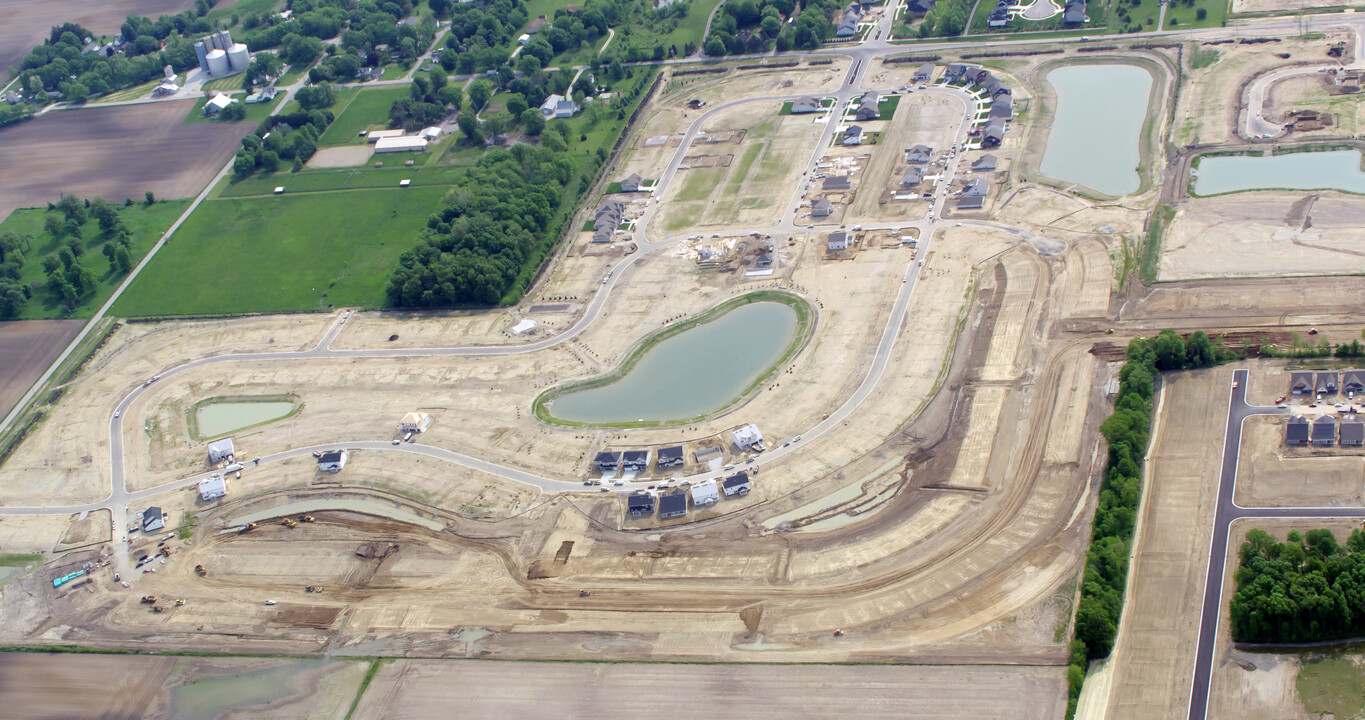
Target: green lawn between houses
[
  {"x": 310, "y": 251},
  {"x": 145, "y": 224}
]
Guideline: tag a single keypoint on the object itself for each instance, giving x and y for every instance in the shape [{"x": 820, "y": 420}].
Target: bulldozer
[
  {"x": 290, "y": 522},
  {"x": 179, "y": 602},
  {"x": 200, "y": 571},
  {"x": 148, "y": 599}
]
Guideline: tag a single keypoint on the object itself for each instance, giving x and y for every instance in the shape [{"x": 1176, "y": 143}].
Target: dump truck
[
  {"x": 247, "y": 528},
  {"x": 148, "y": 599}
]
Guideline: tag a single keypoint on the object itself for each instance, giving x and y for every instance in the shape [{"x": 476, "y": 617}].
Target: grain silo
[
  {"x": 238, "y": 57},
  {"x": 202, "y": 53},
  {"x": 218, "y": 63}
]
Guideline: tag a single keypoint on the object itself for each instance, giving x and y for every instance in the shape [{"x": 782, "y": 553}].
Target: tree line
[
  {"x": 1305, "y": 589},
  {"x": 1126, "y": 432},
  {"x": 755, "y": 26}
]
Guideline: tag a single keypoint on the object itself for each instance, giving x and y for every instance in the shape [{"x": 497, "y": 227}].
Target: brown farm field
[
  {"x": 27, "y": 23},
  {"x": 26, "y": 348},
  {"x": 114, "y": 153}
]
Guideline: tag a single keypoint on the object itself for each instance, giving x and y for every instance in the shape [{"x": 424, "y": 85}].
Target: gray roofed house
[
  {"x": 607, "y": 461},
  {"x": 958, "y": 71},
  {"x": 1327, "y": 383},
  {"x": 1296, "y": 432},
  {"x": 853, "y": 135},
  {"x": 1002, "y": 108},
  {"x": 920, "y": 6},
  {"x": 636, "y": 460},
  {"x": 12, "y": 97},
  {"x": 1325, "y": 430},
  {"x": 925, "y": 72},
  {"x": 919, "y": 154},
  {"x": 805, "y": 105},
  {"x": 976, "y": 186},
  {"x": 848, "y": 26},
  {"x": 913, "y": 175},
  {"x": 153, "y": 519},
  {"x": 763, "y": 260},
  {"x": 999, "y": 17},
  {"x": 737, "y": 484},
  {"x": 669, "y": 457},
  {"x": 1075, "y": 12},
  {"x": 822, "y": 208},
  {"x": 672, "y": 505},
  {"x": 869, "y": 106},
  {"x": 854, "y": 7},
  {"x": 1300, "y": 382},
  {"x": 1353, "y": 381},
  {"x": 836, "y": 182},
  {"x": 839, "y": 240},
  {"x": 994, "y": 134},
  {"x": 1352, "y": 433},
  {"x": 640, "y": 504},
  {"x": 971, "y": 202},
  {"x": 985, "y": 163},
  {"x": 607, "y": 219},
  {"x": 631, "y": 183}
]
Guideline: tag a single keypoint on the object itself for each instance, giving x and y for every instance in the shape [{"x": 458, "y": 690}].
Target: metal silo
[
  {"x": 218, "y": 63},
  {"x": 238, "y": 57}
]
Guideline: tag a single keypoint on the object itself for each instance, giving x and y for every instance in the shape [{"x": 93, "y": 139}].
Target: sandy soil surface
[
  {"x": 421, "y": 688},
  {"x": 335, "y": 157},
  {"x": 1272, "y": 474},
  {"x": 1264, "y": 234},
  {"x": 26, "y": 349},
  {"x": 114, "y": 153},
  {"x": 1154, "y": 653},
  {"x": 922, "y": 118},
  {"x": 27, "y": 24},
  {"x": 1313, "y": 93},
  {"x": 1283, "y": 6}
]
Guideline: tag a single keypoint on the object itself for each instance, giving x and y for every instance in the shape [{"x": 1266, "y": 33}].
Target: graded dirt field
[
  {"x": 113, "y": 153},
  {"x": 513, "y": 691},
  {"x": 27, "y": 23},
  {"x": 344, "y": 156},
  {"x": 26, "y": 349},
  {"x": 1272, "y": 474},
  {"x": 84, "y": 686}
]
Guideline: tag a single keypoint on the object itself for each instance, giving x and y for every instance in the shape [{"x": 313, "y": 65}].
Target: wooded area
[{"x": 1306, "y": 589}]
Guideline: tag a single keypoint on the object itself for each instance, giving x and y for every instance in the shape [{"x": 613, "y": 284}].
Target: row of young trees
[
  {"x": 1305, "y": 589},
  {"x": 1126, "y": 432},
  {"x": 754, "y": 26}
]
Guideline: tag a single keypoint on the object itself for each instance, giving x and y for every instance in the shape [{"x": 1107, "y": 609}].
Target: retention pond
[
  {"x": 1328, "y": 170},
  {"x": 1096, "y": 133},
  {"x": 693, "y": 373},
  {"x": 220, "y": 418}
]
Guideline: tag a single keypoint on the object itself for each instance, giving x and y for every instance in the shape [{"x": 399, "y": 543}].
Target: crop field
[
  {"x": 145, "y": 224},
  {"x": 360, "y": 110},
  {"x": 288, "y": 253},
  {"x": 26, "y": 349},
  {"x": 113, "y": 153}
]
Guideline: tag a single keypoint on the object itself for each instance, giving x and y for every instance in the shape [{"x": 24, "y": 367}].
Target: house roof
[
  {"x": 330, "y": 456},
  {"x": 853, "y": 131},
  {"x": 1075, "y": 11},
  {"x": 921, "y": 6},
  {"x": 1297, "y": 430},
  {"x": 919, "y": 154},
  {"x": 836, "y": 182},
  {"x": 822, "y": 207},
  {"x": 607, "y": 457},
  {"x": 985, "y": 162},
  {"x": 640, "y": 500},
  {"x": 1325, "y": 429},
  {"x": 1327, "y": 378},
  {"x": 976, "y": 186},
  {"x": 1353, "y": 380},
  {"x": 1301, "y": 379},
  {"x": 636, "y": 456},
  {"x": 669, "y": 452},
  {"x": 1352, "y": 432},
  {"x": 971, "y": 202},
  {"x": 736, "y": 480},
  {"x": 806, "y": 105},
  {"x": 927, "y": 69},
  {"x": 673, "y": 503},
  {"x": 838, "y": 237},
  {"x": 913, "y": 175}
]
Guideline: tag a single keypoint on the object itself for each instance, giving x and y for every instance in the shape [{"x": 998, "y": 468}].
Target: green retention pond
[
  {"x": 1096, "y": 132},
  {"x": 214, "y": 418},
  {"x": 209, "y": 697},
  {"x": 1326, "y": 170},
  {"x": 695, "y": 368}
]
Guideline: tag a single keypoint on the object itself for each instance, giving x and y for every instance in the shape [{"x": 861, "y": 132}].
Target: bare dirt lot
[
  {"x": 48, "y": 685},
  {"x": 115, "y": 153},
  {"x": 26, "y": 349},
  {"x": 27, "y": 23},
  {"x": 335, "y": 157},
  {"x": 511, "y": 691},
  {"x": 1272, "y": 474}
]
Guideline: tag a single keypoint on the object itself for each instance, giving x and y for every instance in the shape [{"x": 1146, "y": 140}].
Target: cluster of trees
[
  {"x": 13, "y": 293},
  {"x": 361, "y": 25},
  {"x": 1126, "y": 432},
  {"x": 68, "y": 280},
  {"x": 53, "y": 65},
  {"x": 481, "y": 35},
  {"x": 753, "y": 26},
  {"x": 947, "y": 18},
  {"x": 429, "y": 99},
  {"x": 1305, "y": 589},
  {"x": 286, "y": 138},
  {"x": 499, "y": 218},
  {"x": 1300, "y": 347}
]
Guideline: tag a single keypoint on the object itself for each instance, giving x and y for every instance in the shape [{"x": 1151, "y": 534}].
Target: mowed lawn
[
  {"x": 369, "y": 107},
  {"x": 145, "y": 225},
  {"x": 283, "y": 253}
]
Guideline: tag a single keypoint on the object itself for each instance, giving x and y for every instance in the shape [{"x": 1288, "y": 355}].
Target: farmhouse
[
  {"x": 640, "y": 504},
  {"x": 853, "y": 135},
  {"x": 1300, "y": 382},
  {"x": 153, "y": 519},
  {"x": 672, "y": 505},
  {"x": 804, "y": 105},
  {"x": 332, "y": 461},
  {"x": 985, "y": 163},
  {"x": 924, "y": 73},
  {"x": 748, "y": 437},
  {"x": 1324, "y": 430},
  {"x": 607, "y": 462},
  {"x": 212, "y": 487},
  {"x": 1327, "y": 383},
  {"x": 1352, "y": 433},
  {"x": 557, "y": 106},
  {"x": 838, "y": 240},
  {"x": 400, "y": 144},
  {"x": 669, "y": 457},
  {"x": 869, "y": 106},
  {"x": 836, "y": 182},
  {"x": 821, "y": 208},
  {"x": 1296, "y": 432},
  {"x": 221, "y": 450},
  {"x": 265, "y": 94},
  {"x": 737, "y": 484},
  {"x": 607, "y": 219},
  {"x": 919, "y": 154}
]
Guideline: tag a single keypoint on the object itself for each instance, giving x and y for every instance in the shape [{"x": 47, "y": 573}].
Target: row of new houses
[
  {"x": 1302, "y": 382},
  {"x": 609, "y": 461},
  {"x": 1324, "y": 431},
  {"x": 674, "y": 504}
]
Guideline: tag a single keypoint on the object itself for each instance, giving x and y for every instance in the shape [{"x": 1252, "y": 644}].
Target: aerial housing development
[{"x": 921, "y": 358}]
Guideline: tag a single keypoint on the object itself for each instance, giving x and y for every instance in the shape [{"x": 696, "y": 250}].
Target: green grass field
[
  {"x": 284, "y": 253},
  {"x": 1216, "y": 11},
  {"x": 146, "y": 224},
  {"x": 1332, "y": 685},
  {"x": 242, "y": 8},
  {"x": 369, "y": 107},
  {"x": 364, "y": 176}
]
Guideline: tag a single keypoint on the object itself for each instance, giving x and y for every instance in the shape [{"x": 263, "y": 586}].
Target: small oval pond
[
  {"x": 211, "y": 696},
  {"x": 220, "y": 418},
  {"x": 693, "y": 373},
  {"x": 1096, "y": 131},
  {"x": 1328, "y": 170}
]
